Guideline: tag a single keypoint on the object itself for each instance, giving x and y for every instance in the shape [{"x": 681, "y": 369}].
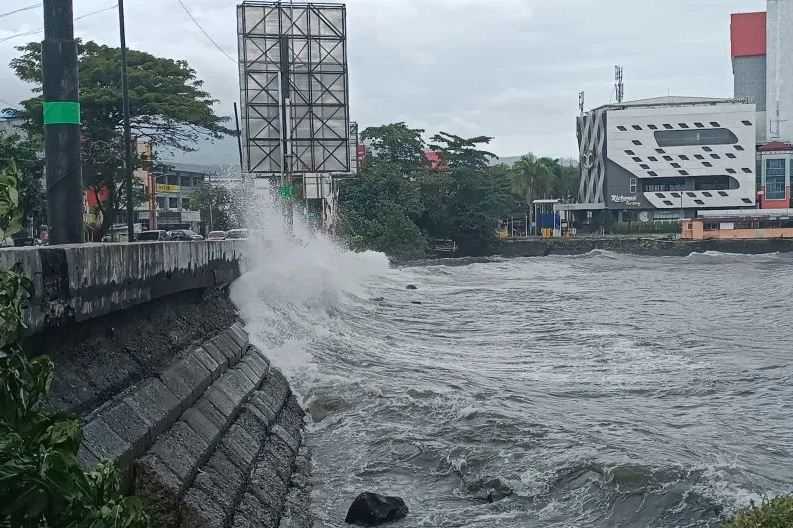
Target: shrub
[{"x": 774, "y": 513}]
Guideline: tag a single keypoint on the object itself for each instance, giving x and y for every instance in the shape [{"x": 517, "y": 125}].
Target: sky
[{"x": 510, "y": 69}]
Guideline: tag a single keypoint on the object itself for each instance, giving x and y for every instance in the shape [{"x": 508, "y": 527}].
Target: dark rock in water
[
  {"x": 379, "y": 299},
  {"x": 371, "y": 509},
  {"x": 411, "y": 287},
  {"x": 415, "y": 302},
  {"x": 321, "y": 408},
  {"x": 490, "y": 490}
]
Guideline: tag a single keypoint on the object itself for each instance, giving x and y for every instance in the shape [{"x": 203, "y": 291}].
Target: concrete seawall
[{"x": 150, "y": 354}]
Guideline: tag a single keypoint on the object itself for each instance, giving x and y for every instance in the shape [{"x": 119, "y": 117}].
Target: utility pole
[
  {"x": 62, "y": 123},
  {"x": 127, "y": 133}
]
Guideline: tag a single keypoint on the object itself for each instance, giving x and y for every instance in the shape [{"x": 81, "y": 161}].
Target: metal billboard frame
[{"x": 293, "y": 70}]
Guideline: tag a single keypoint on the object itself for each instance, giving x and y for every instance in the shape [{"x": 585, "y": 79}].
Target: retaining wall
[{"x": 149, "y": 352}]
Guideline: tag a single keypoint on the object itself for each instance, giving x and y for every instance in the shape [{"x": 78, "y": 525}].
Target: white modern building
[{"x": 662, "y": 158}]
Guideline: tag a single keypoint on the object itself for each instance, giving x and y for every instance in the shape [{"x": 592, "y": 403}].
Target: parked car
[
  {"x": 216, "y": 235},
  {"x": 155, "y": 235},
  {"x": 237, "y": 234},
  {"x": 184, "y": 235}
]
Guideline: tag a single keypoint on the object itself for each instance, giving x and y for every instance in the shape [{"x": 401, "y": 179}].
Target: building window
[
  {"x": 644, "y": 166},
  {"x": 637, "y": 160},
  {"x": 731, "y": 171},
  {"x": 622, "y": 128},
  {"x": 676, "y": 165},
  {"x": 668, "y": 203},
  {"x": 668, "y": 158},
  {"x": 747, "y": 123},
  {"x": 173, "y": 203},
  {"x": 186, "y": 203},
  {"x": 747, "y": 201},
  {"x": 707, "y": 164},
  {"x": 637, "y": 127},
  {"x": 715, "y": 124},
  {"x": 738, "y": 147},
  {"x": 652, "y": 158},
  {"x": 690, "y": 138},
  {"x": 683, "y": 173},
  {"x": 706, "y": 194},
  {"x": 668, "y": 126},
  {"x": 699, "y": 202},
  {"x": 775, "y": 170},
  {"x": 707, "y": 149},
  {"x": 634, "y": 181},
  {"x": 636, "y": 142},
  {"x": 652, "y": 173},
  {"x": 699, "y": 156},
  {"x": 723, "y": 193},
  {"x": 660, "y": 195},
  {"x": 730, "y": 155},
  {"x": 749, "y": 171},
  {"x": 715, "y": 156},
  {"x": 160, "y": 203},
  {"x": 699, "y": 125},
  {"x": 683, "y": 157},
  {"x": 630, "y": 153},
  {"x": 682, "y": 125},
  {"x": 652, "y": 127},
  {"x": 660, "y": 151},
  {"x": 691, "y": 195},
  {"x": 675, "y": 195}
]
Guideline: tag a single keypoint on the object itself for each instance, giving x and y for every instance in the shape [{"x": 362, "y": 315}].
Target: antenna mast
[
  {"x": 581, "y": 102},
  {"x": 619, "y": 87}
]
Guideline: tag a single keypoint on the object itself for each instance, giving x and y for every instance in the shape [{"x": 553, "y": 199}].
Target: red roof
[
  {"x": 748, "y": 34},
  {"x": 435, "y": 160},
  {"x": 775, "y": 146}
]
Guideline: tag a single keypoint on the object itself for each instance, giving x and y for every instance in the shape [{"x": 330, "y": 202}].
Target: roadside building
[{"x": 662, "y": 159}]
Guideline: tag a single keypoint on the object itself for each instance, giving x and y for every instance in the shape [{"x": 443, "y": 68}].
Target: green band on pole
[{"x": 61, "y": 113}]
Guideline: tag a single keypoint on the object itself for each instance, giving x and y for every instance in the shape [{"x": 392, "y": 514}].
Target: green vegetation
[
  {"x": 220, "y": 209},
  {"x": 401, "y": 202},
  {"x": 41, "y": 482},
  {"x": 168, "y": 108},
  {"x": 18, "y": 156},
  {"x": 774, "y": 513}
]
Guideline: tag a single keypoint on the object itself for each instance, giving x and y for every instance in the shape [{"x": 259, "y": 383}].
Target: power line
[
  {"x": 21, "y": 9},
  {"x": 207, "y": 35},
  {"x": 36, "y": 32}
]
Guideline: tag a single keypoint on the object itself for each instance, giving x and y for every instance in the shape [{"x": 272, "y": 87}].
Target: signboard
[
  {"x": 293, "y": 82},
  {"x": 165, "y": 188}
]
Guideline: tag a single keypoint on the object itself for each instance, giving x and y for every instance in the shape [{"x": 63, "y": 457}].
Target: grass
[{"x": 774, "y": 513}]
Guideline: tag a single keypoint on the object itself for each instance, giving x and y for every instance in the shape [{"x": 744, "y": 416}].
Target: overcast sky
[{"x": 511, "y": 69}]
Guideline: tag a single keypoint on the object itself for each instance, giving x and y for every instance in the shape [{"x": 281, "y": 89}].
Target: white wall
[{"x": 780, "y": 69}]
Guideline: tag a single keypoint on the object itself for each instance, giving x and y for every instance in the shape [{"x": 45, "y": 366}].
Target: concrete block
[
  {"x": 235, "y": 385},
  {"x": 202, "y": 425},
  {"x": 265, "y": 420},
  {"x": 105, "y": 444},
  {"x": 229, "y": 348},
  {"x": 291, "y": 441},
  {"x": 210, "y": 363},
  {"x": 216, "y": 354},
  {"x": 253, "y": 425},
  {"x": 211, "y": 413},
  {"x": 260, "y": 364},
  {"x": 199, "y": 510},
  {"x": 240, "y": 446},
  {"x": 159, "y": 487},
  {"x": 155, "y": 404},
  {"x": 220, "y": 399},
  {"x": 187, "y": 379},
  {"x": 249, "y": 373},
  {"x": 181, "y": 449},
  {"x": 267, "y": 485},
  {"x": 264, "y": 406},
  {"x": 129, "y": 425},
  {"x": 221, "y": 479},
  {"x": 238, "y": 337},
  {"x": 291, "y": 417},
  {"x": 276, "y": 455},
  {"x": 262, "y": 514}
]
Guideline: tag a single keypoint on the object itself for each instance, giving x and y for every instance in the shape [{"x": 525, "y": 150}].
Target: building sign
[
  {"x": 628, "y": 200},
  {"x": 162, "y": 187}
]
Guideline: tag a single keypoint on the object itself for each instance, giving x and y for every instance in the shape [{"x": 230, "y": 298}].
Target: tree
[
  {"x": 458, "y": 152},
  {"x": 219, "y": 209},
  {"x": 396, "y": 143},
  {"x": 168, "y": 108},
  {"x": 20, "y": 156}
]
